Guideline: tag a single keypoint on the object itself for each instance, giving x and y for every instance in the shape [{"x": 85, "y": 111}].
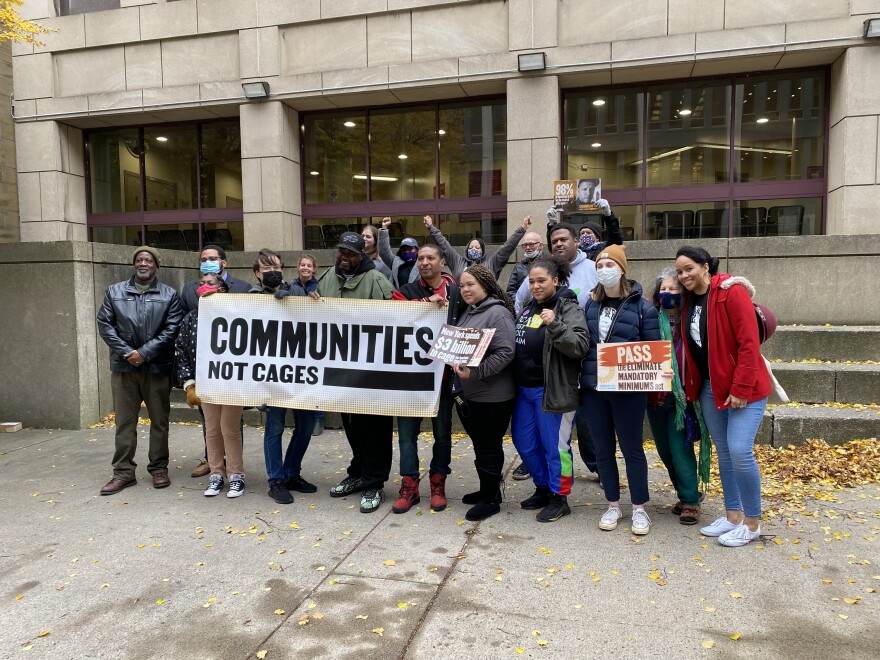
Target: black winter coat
[
  {"x": 144, "y": 322},
  {"x": 636, "y": 320},
  {"x": 185, "y": 349},
  {"x": 190, "y": 297}
]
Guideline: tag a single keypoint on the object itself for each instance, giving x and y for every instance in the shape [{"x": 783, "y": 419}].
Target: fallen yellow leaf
[
  {"x": 363, "y": 617},
  {"x": 843, "y": 616},
  {"x": 545, "y": 551},
  {"x": 160, "y": 601},
  {"x": 851, "y": 601},
  {"x": 44, "y": 633},
  {"x": 542, "y": 642},
  {"x": 520, "y": 650},
  {"x": 262, "y": 654},
  {"x": 19, "y": 597},
  {"x": 378, "y": 631},
  {"x": 402, "y": 606},
  {"x": 735, "y": 636},
  {"x": 321, "y": 568},
  {"x": 710, "y": 609},
  {"x": 708, "y": 644},
  {"x": 389, "y": 562},
  {"x": 279, "y": 611},
  {"x": 734, "y": 594},
  {"x": 318, "y": 615},
  {"x": 303, "y": 620}
]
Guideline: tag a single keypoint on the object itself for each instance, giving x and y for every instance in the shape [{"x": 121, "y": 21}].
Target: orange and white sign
[{"x": 637, "y": 366}]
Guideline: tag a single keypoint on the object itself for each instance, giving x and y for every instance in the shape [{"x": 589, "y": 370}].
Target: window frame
[{"x": 730, "y": 192}]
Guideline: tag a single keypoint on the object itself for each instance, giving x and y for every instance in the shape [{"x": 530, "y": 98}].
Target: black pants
[
  {"x": 586, "y": 447},
  {"x": 486, "y": 424},
  {"x": 370, "y": 439}
]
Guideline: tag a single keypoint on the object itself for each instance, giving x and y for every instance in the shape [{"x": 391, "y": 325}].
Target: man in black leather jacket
[{"x": 138, "y": 320}]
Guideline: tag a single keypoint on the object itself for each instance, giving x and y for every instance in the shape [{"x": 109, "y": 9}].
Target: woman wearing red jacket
[{"x": 723, "y": 370}]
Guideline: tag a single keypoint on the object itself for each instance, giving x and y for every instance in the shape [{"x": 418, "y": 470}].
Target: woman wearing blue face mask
[
  {"x": 616, "y": 312},
  {"x": 667, "y": 411}
]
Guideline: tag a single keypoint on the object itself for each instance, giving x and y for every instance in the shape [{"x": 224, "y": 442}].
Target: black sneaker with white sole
[
  {"x": 347, "y": 486},
  {"x": 521, "y": 473},
  {"x": 371, "y": 499},
  {"x": 555, "y": 509}
]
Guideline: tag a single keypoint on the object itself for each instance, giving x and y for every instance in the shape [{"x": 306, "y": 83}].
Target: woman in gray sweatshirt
[{"x": 485, "y": 394}]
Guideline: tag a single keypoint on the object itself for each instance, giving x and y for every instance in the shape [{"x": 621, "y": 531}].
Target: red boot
[
  {"x": 438, "y": 492},
  {"x": 409, "y": 495}
]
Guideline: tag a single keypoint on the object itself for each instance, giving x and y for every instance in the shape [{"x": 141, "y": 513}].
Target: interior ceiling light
[
  {"x": 684, "y": 113},
  {"x": 375, "y": 177},
  {"x": 599, "y": 102},
  {"x": 442, "y": 132},
  {"x": 349, "y": 124},
  {"x": 403, "y": 156},
  {"x": 761, "y": 120},
  {"x": 596, "y": 145},
  {"x": 708, "y": 145},
  {"x": 161, "y": 138},
  {"x": 314, "y": 172}
]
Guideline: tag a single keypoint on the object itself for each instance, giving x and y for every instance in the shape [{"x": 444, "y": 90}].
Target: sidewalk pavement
[{"x": 169, "y": 572}]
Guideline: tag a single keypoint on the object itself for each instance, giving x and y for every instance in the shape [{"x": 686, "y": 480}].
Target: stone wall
[
  {"x": 55, "y": 366},
  {"x": 9, "y": 230}
]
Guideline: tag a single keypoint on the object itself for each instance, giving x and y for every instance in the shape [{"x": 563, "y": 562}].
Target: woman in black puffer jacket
[{"x": 616, "y": 312}]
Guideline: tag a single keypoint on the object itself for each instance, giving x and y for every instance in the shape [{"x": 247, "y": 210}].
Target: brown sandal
[
  {"x": 689, "y": 515},
  {"x": 676, "y": 510}
]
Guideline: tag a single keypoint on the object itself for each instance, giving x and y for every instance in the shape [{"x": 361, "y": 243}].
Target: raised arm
[
  {"x": 454, "y": 261},
  {"x": 384, "y": 245},
  {"x": 497, "y": 261}
]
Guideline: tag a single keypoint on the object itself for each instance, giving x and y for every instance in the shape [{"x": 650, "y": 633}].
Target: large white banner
[{"x": 342, "y": 355}]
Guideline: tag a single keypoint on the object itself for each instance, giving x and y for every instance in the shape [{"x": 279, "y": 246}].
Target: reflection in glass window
[
  {"x": 324, "y": 233},
  {"x": 780, "y": 131},
  {"x": 403, "y": 154},
  {"x": 473, "y": 150},
  {"x": 130, "y": 235},
  {"x": 228, "y": 235},
  {"x": 460, "y": 228},
  {"x": 688, "y": 134},
  {"x": 630, "y": 221},
  {"x": 114, "y": 169},
  {"x": 220, "y": 166},
  {"x": 603, "y": 133},
  {"x": 687, "y": 221},
  {"x": 334, "y": 158},
  {"x": 171, "y": 168},
  {"x": 778, "y": 217}
]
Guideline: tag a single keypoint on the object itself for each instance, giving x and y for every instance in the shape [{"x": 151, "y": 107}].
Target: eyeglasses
[
  {"x": 529, "y": 246},
  {"x": 204, "y": 259}
]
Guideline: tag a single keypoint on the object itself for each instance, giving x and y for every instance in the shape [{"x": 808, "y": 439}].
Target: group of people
[{"x": 538, "y": 376}]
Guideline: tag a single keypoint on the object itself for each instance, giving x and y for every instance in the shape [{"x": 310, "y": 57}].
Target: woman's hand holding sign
[{"x": 462, "y": 371}]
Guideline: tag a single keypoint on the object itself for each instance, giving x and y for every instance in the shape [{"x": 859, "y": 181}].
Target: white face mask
[{"x": 608, "y": 277}]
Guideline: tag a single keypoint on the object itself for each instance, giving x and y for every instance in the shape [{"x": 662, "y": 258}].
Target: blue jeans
[
  {"x": 277, "y": 468},
  {"x": 408, "y": 434},
  {"x": 733, "y": 431}
]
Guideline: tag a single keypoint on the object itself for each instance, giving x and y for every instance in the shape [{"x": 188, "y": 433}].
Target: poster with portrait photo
[{"x": 577, "y": 195}]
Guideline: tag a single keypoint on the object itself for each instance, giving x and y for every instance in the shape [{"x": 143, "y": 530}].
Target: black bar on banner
[{"x": 379, "y": 380}]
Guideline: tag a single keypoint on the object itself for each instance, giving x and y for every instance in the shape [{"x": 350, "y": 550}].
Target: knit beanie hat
[
  {"x": 595, "y": 228},
  {"x": 146, "y": 248},
  {"x": 616, "y": 254}
]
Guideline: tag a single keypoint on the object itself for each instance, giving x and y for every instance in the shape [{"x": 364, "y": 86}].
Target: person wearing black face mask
[{"x": 669, "y": 414}]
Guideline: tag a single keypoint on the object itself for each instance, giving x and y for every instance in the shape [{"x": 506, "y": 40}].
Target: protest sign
[
  {"x": 577, "y": 195},
  {"x": 465, "y": 346},
  {"x": 341, "y": 355},
  {"x": 636, "y": 366}
]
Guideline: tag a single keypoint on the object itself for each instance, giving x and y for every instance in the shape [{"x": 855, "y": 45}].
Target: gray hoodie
[
  {"x": 582, "y": 281},
  {"x": 492, "y": 380}
]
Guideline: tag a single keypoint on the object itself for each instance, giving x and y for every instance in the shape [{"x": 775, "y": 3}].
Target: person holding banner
[
  {"x": 616, "y": 312},
  {"x": 369, "y": 436},
  {"x": 485, "y": 395},
  {"x": 222, "y": 422},
  {"x": 438, "y": 287},
  {"x": 551, "y": 342},
  {"x": 284, "y": 468},
  {"x": 668, "y": 411},
  {"x": 304, "y": 284},
  {"x": 722, "y": 369},
  {"x": 476, "y": 250}
]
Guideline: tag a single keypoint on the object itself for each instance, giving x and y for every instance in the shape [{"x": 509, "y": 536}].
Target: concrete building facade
[{"x": 132, "y": 125}]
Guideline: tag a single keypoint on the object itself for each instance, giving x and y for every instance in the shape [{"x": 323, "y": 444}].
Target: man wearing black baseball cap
[{"x": 370, "y": 436}]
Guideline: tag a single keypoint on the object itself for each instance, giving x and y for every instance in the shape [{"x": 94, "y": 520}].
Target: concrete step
[
  {"x": 794, "y": 424},
  {"x": 835, "y": 382},
  {"x": 833, "y": 343}
]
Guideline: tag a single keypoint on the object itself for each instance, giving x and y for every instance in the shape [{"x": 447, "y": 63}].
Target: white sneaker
[
  {"x": 609, "y": 519},
  {"x": 641, "y": 523},
  {"x": 215, "y": 485},
  {"x": 236, "y": 486},
  {"x": 721, "y": 526},
  {"x": 739, "y": 536}
]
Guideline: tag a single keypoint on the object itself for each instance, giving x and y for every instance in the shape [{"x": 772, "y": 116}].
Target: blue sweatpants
[{"x": 543, "y": 441}]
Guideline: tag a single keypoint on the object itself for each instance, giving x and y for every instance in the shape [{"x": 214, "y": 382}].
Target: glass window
[
  {"x": 130, "y": 235},
  {"x": 473, "y": 150},
  {"x": 114, "y": 168},
  {"x": 174, "y": 237},
  {"x": 689, "y": 220},
  {"x": 460, "y": 228},
  {"x": 334, "y": 158},
  {"x": 69, "y": 7},
  {"x": 603, "y": 134},
  {"x": 688, "y": 134},
  {"x": 220, "y": 166},
  {"x": 630, "y": 221},
  {"x": 171, "y": 168},
  {"x": 403, "y": 154},
  {"x": 228, "y": 235},
  {"x": 778, "y": 217},
  {"x": 780, "y": 130},
  {"x": 324, "y": 233}
]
